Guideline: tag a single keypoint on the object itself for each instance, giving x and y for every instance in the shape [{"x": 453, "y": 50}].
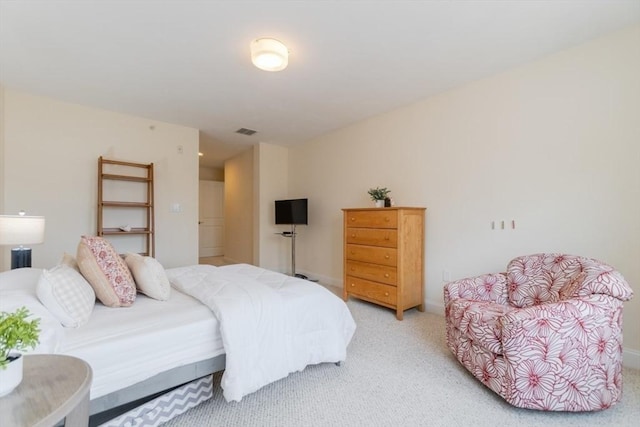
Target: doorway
[{"x": 211, "y": 219}]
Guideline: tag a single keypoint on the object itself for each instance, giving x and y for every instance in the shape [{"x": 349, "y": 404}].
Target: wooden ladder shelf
[{"x": 139, "y": 173}]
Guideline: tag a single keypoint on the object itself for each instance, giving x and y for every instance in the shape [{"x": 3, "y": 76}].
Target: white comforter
[{"x": 271, "y": 324}]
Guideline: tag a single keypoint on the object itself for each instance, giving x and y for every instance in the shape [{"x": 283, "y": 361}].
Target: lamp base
[{"x": 20, "y": 258}]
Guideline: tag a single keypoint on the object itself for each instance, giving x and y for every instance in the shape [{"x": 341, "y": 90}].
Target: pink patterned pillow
[{"x": 107, "y": 273}]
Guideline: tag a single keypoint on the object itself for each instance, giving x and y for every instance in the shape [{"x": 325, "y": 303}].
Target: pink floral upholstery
[{"x": 547, "y": 334}]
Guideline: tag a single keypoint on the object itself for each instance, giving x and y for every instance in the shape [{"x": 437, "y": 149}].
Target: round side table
[{"x": 54, "y": 387}]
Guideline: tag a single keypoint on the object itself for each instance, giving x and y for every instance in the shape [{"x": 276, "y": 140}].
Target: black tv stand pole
[
  {"x": 293, "y": 249},
  {"x": 292, "y": 235}
]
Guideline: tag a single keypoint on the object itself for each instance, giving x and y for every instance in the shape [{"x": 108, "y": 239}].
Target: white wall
[
  {"x": 2, "y": 157},
  {"x": 211, "y": 174},
  {"x": 272, "y": 171},
  {"x": 50, "y": 165},
  {"x": 553, "y": 145},
  {"x": 239, "y": 208}
]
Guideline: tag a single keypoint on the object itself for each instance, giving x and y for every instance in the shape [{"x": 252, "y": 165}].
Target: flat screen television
[{"x": 292, "y": 211}]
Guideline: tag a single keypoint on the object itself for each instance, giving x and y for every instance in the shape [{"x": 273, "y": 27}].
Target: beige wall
[
  {"x": 50, "y": 163},
  {"x": 2, "y": 157},
  {"x": 553, "y": 145},
  {"x": 274, "y": 251},
  {"x": 239, "y": 208},
  {"x": 211, "y": 174}
]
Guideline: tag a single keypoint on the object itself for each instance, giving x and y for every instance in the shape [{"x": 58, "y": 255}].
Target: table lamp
[{"x": 21, "y": 230}]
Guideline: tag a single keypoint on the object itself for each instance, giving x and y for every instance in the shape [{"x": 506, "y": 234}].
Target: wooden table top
[{"x": 52, "y": 386}]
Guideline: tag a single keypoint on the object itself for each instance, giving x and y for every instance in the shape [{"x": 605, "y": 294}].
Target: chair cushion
[
  {"x": 570, "y": 289},
  {"x": 479, "y": 321},
  {"x": 537, "y": 279}
]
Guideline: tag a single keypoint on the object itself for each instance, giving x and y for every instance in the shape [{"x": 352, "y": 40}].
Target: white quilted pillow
[
  {"x": 67, "y": 295},
  {"x": 149, "y": 275}
]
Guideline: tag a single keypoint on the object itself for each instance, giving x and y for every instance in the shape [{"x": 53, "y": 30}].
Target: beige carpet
[{"x": 396, "y": 374}]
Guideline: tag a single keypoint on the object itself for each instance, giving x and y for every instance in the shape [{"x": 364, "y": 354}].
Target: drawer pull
[
  {"x": 386, "y": 275},
  {"x": 386, "y": 294},
  {"x": 353, "y": 219},
  {"x": 386, "y": 219},
  {"x": 386, "y": 237},
  {"x": 386, "y": 256},
  {"x": 353, "y": 269},
  {"x": 353, "y": 285}
]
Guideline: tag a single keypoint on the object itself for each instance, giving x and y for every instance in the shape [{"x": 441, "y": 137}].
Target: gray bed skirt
[{"x": 109, "y": 404}]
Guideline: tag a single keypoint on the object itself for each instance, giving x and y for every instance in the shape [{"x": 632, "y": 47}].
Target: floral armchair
[{"x": 546, "y": 335}]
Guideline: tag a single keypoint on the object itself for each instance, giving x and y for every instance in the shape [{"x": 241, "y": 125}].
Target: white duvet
[{"x": 271, "y": 324}]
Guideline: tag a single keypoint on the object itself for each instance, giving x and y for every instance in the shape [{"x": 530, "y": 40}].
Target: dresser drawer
[
  {"x": 371, "y": 290},
  {"x": 373, "y": 236},
  {"x": 375, "y": 272},
  {"x": 372, "y": 219},
  {"x": 372, "y": 254}
]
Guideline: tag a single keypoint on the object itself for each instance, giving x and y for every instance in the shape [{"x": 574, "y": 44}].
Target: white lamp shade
[
  {"x": 21, "y": 230},
  {"x": 269, "y": 54}
]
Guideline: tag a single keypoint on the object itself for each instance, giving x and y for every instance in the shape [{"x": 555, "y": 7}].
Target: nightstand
[{"x": 54, "y": 387}]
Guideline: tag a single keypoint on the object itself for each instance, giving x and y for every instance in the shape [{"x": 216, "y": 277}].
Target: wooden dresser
[{"x": 384, "y": 256}]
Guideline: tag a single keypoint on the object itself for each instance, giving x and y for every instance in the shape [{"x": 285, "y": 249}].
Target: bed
[{"x": 152, "y": 346}]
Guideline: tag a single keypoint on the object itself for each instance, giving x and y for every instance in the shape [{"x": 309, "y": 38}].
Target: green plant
[
  {"x": 378, "y": 193},
  {"x": 17, "y": 333}
]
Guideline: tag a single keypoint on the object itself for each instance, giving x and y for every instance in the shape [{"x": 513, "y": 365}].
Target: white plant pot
[
  {"x": 11, "y": 376},
  {"x": 379, "y": 203}
]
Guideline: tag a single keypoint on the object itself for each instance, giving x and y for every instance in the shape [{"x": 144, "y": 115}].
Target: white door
[{"x": 211, "y": 223}]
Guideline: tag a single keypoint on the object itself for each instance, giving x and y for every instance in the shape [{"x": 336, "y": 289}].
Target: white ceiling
[{"x": 187, "y": 62}]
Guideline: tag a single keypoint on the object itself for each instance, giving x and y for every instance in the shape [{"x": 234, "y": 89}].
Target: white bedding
[
  {"x": 271, "y": 324},
  {"x": 159, "y": 336},
  {"x": 127, "y": 345}
]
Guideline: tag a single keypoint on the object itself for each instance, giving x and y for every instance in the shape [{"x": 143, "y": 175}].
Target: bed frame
[{"x": 111, "y": 405}]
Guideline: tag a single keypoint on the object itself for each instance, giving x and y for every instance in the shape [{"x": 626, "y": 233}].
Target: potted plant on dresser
[
  {"x": 378, "y": 195},
  {"x": 17, "y": 334}
]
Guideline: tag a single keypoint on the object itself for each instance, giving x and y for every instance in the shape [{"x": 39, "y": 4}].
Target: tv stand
[{"x": 292, "y": 235}]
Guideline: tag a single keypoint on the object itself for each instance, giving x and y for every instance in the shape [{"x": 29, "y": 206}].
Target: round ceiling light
[{"x": 269, "y": 54}]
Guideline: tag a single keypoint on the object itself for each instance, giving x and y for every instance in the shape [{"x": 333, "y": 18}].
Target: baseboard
[
  {"x": 325, "y": 280},
  {"x": 630, "y": 358},
  {"x": 435, "y": 308}
]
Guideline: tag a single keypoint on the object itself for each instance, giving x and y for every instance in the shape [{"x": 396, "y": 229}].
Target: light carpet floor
[{"x": 396, "y": 374}]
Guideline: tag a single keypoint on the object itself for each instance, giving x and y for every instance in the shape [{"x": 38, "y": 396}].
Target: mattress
[
  {"x": 128, "y": 345},
  {"x": 123, "y": 345}
]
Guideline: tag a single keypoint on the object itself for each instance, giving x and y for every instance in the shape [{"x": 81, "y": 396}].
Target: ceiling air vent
[{"x": 245, "y": 131}]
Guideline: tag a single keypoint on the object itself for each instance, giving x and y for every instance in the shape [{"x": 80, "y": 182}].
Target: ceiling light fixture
[{"x": 269, "y": 54}]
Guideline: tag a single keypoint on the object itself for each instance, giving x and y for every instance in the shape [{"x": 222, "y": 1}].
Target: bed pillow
[
  {"x": 67, "y": 295},
  {"x": 149, "y": 275},
  {"x": 69, "y": 260},
  {"x": 106, "y": 272},
  {"x": 51, "y": 331},
  {"x": 20, "y": 279}
]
